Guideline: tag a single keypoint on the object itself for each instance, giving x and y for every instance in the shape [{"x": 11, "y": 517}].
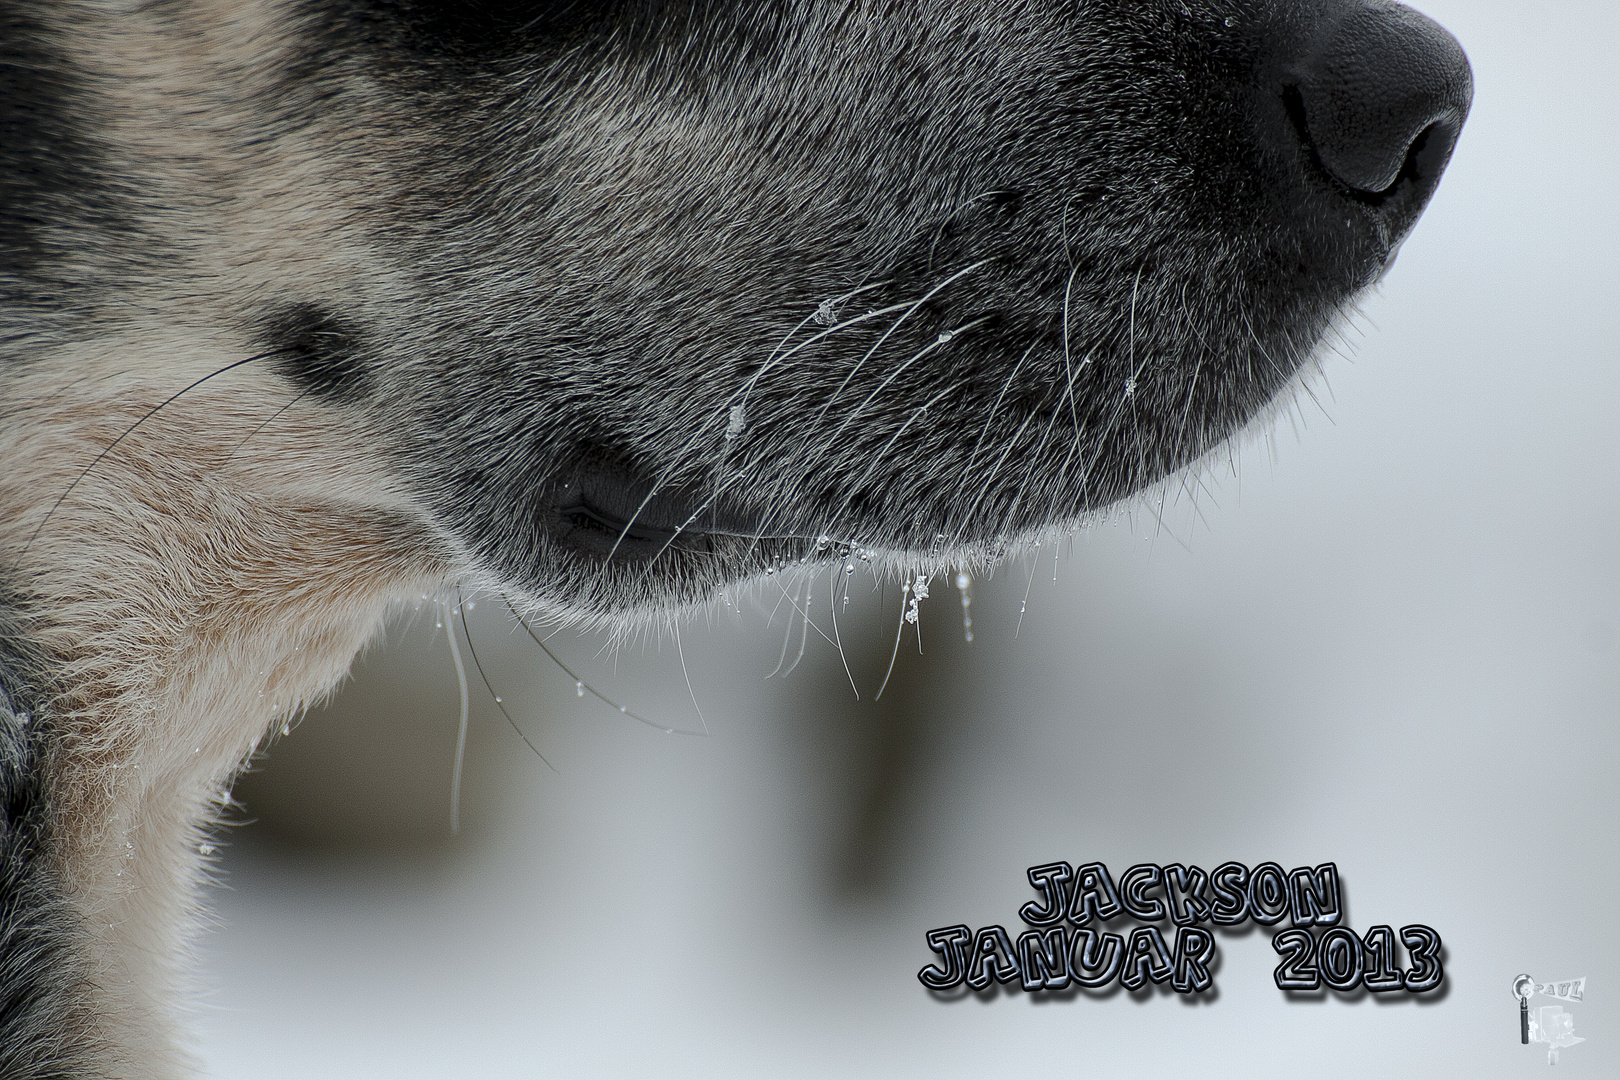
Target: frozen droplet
[
  {"x": 205, "y": 849},
  {"x": 769, "y": 570},
  {"x": 623, "y": 709},
  {"x": 286, "y": 729},
  {"x": 669, "y": 731},
  {"x": 962, "y": 580},
  {"x": 497, "y": 700},
  {"x": 579, "y": 689},
  {"x": 945, "y": 337},
  {"x": 849, "y": 568}
]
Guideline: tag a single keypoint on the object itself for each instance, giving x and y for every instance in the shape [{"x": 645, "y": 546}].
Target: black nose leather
[{"x": 1383, "y": 88}]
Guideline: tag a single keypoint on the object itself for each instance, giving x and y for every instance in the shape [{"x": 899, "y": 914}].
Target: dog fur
[{"x": 307, "y": 307}]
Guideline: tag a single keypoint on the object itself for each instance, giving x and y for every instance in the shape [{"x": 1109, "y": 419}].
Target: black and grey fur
[
  {"x": 43, "y": 977},
  {"x": 606, "y": 304}
]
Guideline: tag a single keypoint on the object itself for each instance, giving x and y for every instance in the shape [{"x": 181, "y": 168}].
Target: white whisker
[{"x": 927, "y": 296}]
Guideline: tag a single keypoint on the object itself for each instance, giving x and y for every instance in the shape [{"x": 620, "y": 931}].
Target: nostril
[
  {"x": 1427, "y": 156},
  {"x": 1380, "y": 93}
]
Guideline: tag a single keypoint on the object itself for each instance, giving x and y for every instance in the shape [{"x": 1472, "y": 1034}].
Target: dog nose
[{"x": 1384, "y": 91}]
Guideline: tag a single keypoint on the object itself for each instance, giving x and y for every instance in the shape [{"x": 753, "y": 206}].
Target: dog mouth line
[
  {"x": 676, "y": 526},
  {"x": 608, "y": 515},
  {"x": 653, "y": 525}
]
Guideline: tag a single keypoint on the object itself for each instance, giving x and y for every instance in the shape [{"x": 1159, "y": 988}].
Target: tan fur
[
  {"x": 218, "y": 569},
  {"x": 196, "y": 586}
]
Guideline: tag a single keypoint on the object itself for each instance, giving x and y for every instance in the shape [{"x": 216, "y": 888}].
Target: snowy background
[{"x": 1392, "y": 642}]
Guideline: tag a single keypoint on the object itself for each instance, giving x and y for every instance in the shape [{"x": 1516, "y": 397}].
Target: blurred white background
[{"x": 1392, "y": 642}]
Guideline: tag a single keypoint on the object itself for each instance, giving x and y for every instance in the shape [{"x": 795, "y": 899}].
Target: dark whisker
[
  {"x": 472, "y": 650},
  {"x": 60, "y": 499},
  {"x": 581, "y": 683},
  {"x": 226, "y": 460}
]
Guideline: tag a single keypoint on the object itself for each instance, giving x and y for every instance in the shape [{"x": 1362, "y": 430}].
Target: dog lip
[{"x": 610, "y": 512}]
